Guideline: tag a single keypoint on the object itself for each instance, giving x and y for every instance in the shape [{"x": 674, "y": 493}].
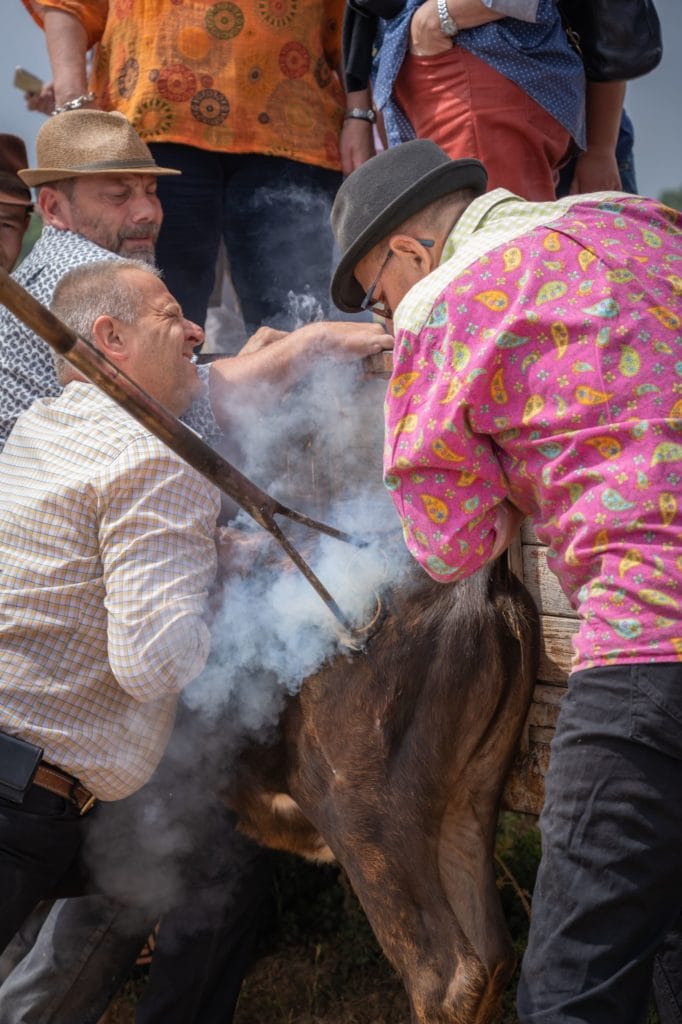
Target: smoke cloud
[{"x": 318, "y": 451}]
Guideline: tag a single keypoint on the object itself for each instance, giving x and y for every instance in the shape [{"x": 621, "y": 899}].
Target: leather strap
[{"x": 64, "y": 785}]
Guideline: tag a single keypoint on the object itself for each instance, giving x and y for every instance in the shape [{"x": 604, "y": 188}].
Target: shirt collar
[
  {"x": 483, "y": 209},
  {"x": 495, "y": 218}
]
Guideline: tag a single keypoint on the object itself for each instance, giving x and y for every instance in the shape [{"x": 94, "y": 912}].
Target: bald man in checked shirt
[{"x": 109, "y": 554}]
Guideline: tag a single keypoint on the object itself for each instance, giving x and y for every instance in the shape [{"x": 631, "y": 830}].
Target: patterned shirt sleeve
[
  {"x": 431, "y": 440},
  {"x": 157, "y": 523}
]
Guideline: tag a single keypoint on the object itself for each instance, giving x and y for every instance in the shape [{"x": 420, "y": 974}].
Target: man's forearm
[
  {"x": 604, "y": 107},
  {"x": 281, "y": 364},
  {"x": 67, "y": 45}
]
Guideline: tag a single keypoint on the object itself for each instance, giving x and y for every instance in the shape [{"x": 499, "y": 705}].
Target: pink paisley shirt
[{"x": 542, "y": 362}]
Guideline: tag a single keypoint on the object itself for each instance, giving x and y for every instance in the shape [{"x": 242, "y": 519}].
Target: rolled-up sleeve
[{"x": 157, "y": 544}]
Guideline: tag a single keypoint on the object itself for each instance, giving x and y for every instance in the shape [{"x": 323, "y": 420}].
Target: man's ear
[
  {"x": 410, "y": 250},
  {"x": 55, "y": 208},
  {"x": 107, "y": 337}
]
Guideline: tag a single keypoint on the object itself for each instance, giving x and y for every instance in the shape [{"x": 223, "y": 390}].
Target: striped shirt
[{"x": 107, "y": 552}]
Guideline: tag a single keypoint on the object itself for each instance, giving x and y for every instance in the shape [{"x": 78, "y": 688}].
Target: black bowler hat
[{"x": 385, "y": 192}]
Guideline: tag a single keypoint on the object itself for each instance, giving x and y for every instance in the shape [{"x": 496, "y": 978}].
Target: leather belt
[{"x": 64, "y": 785}]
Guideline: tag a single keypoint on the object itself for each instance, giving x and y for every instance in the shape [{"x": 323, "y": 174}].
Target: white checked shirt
[{"x": 107, "y": 553}]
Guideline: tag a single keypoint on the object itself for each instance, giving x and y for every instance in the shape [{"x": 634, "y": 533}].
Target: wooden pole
[{"x": 89, "y": 361}]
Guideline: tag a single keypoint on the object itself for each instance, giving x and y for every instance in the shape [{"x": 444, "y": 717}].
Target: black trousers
[
  {"x": 40, "y": 844},
  {"x": 171, "y": 851},
  {"x": 608, "y": 898},
  {"x": 273, "y": 216}
]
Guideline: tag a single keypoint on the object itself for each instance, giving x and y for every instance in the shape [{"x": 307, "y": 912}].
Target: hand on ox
[
  {"x": 346, "y": 341},
  {"x": 273, "y": 364},
  {"x": 242, "y": 552},
  {"x": 238, "y": 550}
]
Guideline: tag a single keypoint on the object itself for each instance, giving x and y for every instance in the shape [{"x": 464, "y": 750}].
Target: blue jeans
[
  {"x": 608, "y": 896},
  {"x": 273, "y": 215}
]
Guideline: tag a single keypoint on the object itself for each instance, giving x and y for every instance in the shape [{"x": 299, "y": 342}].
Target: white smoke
[{"x": 318, "y": 451}]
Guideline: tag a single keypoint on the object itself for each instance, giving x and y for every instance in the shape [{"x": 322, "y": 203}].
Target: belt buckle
[{"x": 88, "y": 805}]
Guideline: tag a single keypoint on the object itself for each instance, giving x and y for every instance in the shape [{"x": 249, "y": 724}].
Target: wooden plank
[
  {"x": 543, "y": 584},
  {"x": 528, "y": 535},
  {"x": 515, "y": 556},
  {"x": 556, "y": 649}
]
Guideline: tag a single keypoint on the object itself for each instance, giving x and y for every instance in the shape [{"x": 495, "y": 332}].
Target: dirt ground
[{"x": 319, "y": 962}]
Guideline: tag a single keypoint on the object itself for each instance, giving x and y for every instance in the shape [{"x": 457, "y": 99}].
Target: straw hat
[
  {"x": 78, "y": 142},
  {"x": 12, "y": 157},
  {"x": 382, "y": 194}
]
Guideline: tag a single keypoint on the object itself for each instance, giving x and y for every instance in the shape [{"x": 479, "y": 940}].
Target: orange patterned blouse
[{"x": 251, "y": 76}]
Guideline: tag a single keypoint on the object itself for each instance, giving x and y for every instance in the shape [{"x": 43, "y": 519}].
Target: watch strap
[
  {"x": 358, "y": 114},
  {"x": 448, "y": 25}
]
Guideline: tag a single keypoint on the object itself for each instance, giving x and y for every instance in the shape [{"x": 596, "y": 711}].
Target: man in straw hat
[
  {"x": 15, "y": 200},
  {"x": 97, "y": 197},
  {"x": 537, "y": 372}
]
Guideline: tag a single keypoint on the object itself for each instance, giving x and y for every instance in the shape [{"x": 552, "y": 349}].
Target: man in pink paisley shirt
[{"x": 538, "y": 372}]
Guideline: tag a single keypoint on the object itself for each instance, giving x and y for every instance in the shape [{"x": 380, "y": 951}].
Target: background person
[
  {"x": 535, "y": 374},
  {"x": 497, "y": 81},
  {"x": 247, "y": 102},
  {"x": 15, "y": 200}
]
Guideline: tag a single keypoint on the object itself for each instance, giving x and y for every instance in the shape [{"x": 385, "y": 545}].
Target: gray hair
[{"x": 92, "y": 290}]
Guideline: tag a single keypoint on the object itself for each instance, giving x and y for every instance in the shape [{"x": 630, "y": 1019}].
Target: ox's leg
[{"x": 419, "y": 852}]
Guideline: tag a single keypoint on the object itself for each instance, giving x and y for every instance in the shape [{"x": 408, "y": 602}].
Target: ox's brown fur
[{"x": 394, "y": 760}]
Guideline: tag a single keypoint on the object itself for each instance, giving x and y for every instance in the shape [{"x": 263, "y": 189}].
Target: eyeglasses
[{"x": 380, "y": 308}]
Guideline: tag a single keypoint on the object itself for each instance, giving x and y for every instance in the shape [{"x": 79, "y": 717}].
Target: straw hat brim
[{"x": 46, "y": 175}]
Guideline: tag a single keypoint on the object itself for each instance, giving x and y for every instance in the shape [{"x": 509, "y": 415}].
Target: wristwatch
[
  {"x": 448, "y": 25},
  {"x": 358, "y": 114}
]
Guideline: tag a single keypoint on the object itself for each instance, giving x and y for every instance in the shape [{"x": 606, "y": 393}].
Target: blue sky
[{"x": 654, "y": 102}]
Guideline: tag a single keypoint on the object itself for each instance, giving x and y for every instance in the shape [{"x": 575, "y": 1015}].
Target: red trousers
[{"x": 469, "y": 109}]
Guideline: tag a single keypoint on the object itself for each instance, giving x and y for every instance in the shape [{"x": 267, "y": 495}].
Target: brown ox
[{"x": 393, "y": 761}]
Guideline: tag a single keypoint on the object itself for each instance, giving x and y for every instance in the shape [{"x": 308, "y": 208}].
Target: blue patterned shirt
[{"x": 535, "y": 55}]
